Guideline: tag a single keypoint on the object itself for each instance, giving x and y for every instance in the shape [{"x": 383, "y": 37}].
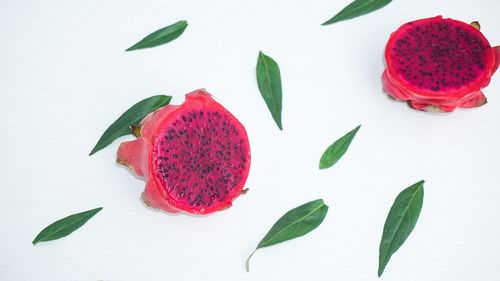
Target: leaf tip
[
  {"x": 261, "y": 55},
  {"x": 96, "y": 148},
  {"x": 381, "y": 268},
  {"x": 420, "y": 184},
  {"x": 357, "y": 128},
  {"x": 323, "y": 164},
  {"x": 277, "y": 120},
  {"x": 330, "y": 21}
]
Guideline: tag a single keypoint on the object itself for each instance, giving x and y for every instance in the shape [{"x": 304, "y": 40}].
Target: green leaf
[
  {"x": 269, "y": 80},
  {"x": 161, "y": 36},
  {"x": 295, "y": 223},
  {"x": 131, "y": 117},
  {"x": 335, "y": 151},
  {"x": 65, "y": 226},
  {"x": 400, "y": 222},
  {"x": 356, "y": 9}
]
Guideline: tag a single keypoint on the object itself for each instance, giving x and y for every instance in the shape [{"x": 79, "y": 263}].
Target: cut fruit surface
[
  {"x": 195, "y": 156},
  {"x": 441, "y": 63}
]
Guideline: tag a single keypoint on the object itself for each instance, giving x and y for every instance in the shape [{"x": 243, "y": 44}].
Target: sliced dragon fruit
[
  {"x": 439, "y": 64},
  {"x": 195, "y": 156}
]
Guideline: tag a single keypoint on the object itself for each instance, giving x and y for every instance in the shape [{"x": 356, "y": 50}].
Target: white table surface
[{"x": 64, "y": 77}]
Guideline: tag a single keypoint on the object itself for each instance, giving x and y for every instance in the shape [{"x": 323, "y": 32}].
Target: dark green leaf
[
  {"x": 131, "y": 117},
  {"x": 295, "y": 223},
  {"x": 269, "y": 80},
  {"x": 335, "y": 151},
  {"x": 357, "y": 8},
  {"x": 400, "y": 222},
  {"x": 161, "y": 36},
  {"x": 65, "y": 226}
]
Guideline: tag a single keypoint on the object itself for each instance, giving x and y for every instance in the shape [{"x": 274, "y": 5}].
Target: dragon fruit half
[
  {"x": 195, "y": 156},
  {"x": 439, "y": 64}
]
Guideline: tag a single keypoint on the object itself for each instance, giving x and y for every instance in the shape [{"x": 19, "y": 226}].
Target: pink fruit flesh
[
  {"x": 438, "y": 63},
  {"x": 195, "y": 157}
]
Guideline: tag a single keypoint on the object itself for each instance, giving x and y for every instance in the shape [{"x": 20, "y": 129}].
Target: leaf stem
[{"x": 247, "y": 264}]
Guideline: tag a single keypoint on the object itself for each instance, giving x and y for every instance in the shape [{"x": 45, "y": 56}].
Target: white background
[{"x": 64, "y": 77}]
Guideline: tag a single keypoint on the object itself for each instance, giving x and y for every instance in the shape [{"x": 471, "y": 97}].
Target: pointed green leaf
[
  {"x": 65, "y": 226},
  {"x": 269, "y": 81},
  {"x": 295, "y": 223},
  {"x": 131, "y": 117},
  {"x": 335, "y": 151},
  {"x": 400, "y": 222},
  {"x": 356, "y": 9},
  {"x": 161, "y": 36}
]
